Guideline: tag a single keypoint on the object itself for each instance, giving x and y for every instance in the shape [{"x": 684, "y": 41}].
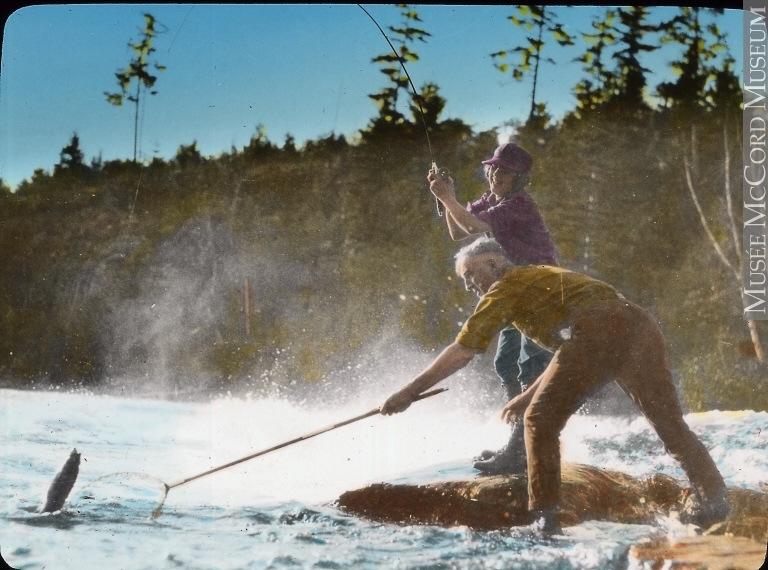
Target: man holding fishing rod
[
  {"x": 509, "y": 214},
  {"x": 597, "y": 335}
]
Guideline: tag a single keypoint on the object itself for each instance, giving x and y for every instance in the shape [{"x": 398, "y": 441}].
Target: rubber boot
[{"x": 510, "y": 459}]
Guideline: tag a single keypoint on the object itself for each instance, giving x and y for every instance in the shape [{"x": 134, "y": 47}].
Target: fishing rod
[
  {"x": 416, "y": 97},
  {"x": 159, "y": 510}
]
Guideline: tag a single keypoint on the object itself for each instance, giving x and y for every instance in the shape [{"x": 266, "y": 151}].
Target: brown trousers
[{"x": 620, "y": 341}]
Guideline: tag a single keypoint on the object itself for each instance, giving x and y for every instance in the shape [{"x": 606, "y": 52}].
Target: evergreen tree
[
  {"x": 259, "y": 145},
  {"x": 600, "y": 83},
  {"x": 630, "y": 36},
  {"x": 390, "y": 119},
  {"x": 71, "y": 157},
  {"x": 724, "y": 93},
  {"x": 543, "y": 20},
  {"x": 694, "y": 70},
  {"x": 137, "y": 69},
  {"x": 188, "y": 155}
]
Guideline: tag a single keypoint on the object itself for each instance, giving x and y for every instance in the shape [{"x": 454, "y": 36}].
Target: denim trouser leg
[
  {"x": 533, "y": 361},
  {"x": 519, "y": 361},
  {"x": 506, "y": 361}
]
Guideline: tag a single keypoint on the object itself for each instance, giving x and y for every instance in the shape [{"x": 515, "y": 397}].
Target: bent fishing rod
[
  {"x": 416, "y": 97},
  {"x": 159, "y": 510}
]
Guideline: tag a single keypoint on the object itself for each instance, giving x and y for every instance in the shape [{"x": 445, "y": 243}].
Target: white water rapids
[{"x": 277, "y": 511}]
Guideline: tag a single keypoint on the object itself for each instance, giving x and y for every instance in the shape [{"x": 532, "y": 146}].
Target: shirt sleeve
[
  {"x": 480, "y": 205},
  {"x": 487, "y": 320},
  {"x": 508, "y": 216}
]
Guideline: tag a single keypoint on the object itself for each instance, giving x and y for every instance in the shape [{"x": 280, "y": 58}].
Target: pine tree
[
  {"x": 600, "y": 83},
  {"x": 71, "y": 157},
  {"x": 543, "y": 20},
  {"x": 137, "y": 69},
  {"x": 390, "y": 119},
  {"x": 695, "y": 71},
  {"x": 631, "y": 81}
]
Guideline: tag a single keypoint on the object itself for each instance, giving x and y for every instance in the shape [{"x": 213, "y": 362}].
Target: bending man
[
  {"x": 508, "y": 213},
  {"x": 597, "y": 335}
]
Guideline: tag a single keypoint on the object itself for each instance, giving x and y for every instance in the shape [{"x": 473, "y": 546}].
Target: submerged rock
[{"x": 587, "y": 493}]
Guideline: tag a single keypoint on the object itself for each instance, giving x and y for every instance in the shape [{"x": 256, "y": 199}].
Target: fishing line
[
  {"x": 180, "y": 26},
  {"x": 416, "y": 98},
  {"x": 136, "y": 196},
  {"x": 413, "y": 88}
]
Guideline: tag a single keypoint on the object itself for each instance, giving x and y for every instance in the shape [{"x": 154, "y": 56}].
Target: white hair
[{"x": 481, "y": 246}]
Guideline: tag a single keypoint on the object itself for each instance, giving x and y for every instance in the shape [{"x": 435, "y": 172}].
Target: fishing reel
[{"x": 443, "y": 174}]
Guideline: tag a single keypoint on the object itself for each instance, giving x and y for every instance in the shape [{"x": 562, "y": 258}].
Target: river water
[{"x": 277, "y": 511}]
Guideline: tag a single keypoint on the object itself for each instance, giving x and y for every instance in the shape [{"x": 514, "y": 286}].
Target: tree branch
[
  {"x": 728, "y": 200},
  {"x": 705, "y": 224}
]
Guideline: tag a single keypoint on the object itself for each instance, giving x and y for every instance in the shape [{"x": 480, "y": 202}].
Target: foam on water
[{"x": 276, "y": 511}]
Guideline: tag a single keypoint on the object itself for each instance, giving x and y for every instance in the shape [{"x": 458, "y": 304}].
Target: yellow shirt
[{"x": 537, "y": 300}]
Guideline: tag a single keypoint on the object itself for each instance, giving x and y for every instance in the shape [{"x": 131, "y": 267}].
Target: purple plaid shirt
[{"x": 517, "y": 226}]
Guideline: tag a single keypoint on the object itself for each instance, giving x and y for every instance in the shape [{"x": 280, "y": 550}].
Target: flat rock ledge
[
  {"x": 709, "y": 552},
  {"x": 588, "y": 493}
]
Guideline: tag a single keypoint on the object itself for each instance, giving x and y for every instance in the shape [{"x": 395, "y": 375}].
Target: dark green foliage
[
  {"x": 386, "y": 99},
  {"x": 272, "y": 265},
  {"x": 631, "y": 33},
  {"x": 72, "y": 158},
  {"x": 694, "y": 69},
  {"x": 600, "y": 83},
  {"x": 340, "y": 243}
]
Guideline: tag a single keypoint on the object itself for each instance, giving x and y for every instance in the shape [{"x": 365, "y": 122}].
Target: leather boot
[
  {"x": 510, "y": 459},
  {"x": 511, "y": 390},
  {"x": 704, "y": 514},
  {"x": 544, "y": 525}
]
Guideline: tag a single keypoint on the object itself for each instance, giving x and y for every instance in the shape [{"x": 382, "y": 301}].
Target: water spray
[{"x": 159, "y": 510}]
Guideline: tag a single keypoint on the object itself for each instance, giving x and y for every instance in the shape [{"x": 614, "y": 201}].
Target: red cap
[{"x": 511, "y": 157}]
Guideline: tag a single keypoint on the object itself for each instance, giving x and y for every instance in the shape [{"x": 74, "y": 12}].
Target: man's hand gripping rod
[{"x": 444, "y": 176}]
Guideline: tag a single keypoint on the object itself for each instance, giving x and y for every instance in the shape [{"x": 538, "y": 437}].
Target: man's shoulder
[
  {"x": 538, "y": 269},
  {"x": 521, "y": 203},
  {"x": 482, "y": 203}
]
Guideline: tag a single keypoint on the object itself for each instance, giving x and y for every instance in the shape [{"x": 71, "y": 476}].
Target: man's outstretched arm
[{"x": 453, "y": 358}]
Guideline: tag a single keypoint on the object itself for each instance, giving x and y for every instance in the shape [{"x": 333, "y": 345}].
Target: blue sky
[{"x": 299, "y": 69}]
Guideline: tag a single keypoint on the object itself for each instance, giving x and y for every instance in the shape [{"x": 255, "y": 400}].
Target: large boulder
[{"x": 588, "y": 493}]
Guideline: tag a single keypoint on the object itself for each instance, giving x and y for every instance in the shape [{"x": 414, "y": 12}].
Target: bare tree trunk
[
  {"x": 728, "y": 198},
  {"x": 536, "y": 73},
  {"x": 705, "y": 224},
  {"x": 759, "y": 352},
  {"x": 247, "y": 307},
  {"x": 136, "y": 119}
]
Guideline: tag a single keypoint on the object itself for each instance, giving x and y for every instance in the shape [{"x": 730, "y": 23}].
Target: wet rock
[
  {"x": 698, "y": 553},
  {"x": 587, "y": 493}
]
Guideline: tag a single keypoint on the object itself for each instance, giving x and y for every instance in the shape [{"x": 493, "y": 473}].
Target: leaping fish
[{"x": 62, "y": 484}]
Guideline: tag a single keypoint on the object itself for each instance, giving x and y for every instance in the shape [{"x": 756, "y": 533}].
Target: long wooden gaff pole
[{"x": 159, "y": 510}]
